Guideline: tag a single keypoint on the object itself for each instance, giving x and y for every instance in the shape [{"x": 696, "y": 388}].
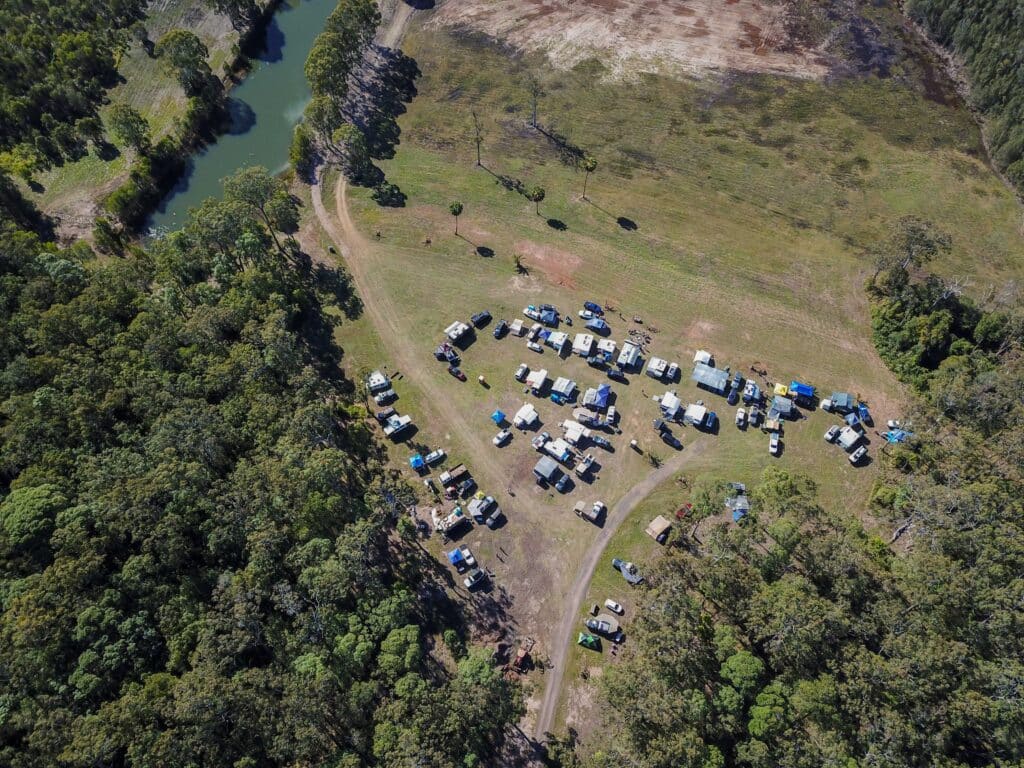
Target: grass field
[
  {"x": 72, "y": 191},
  {"x": 734, "y": 214}
]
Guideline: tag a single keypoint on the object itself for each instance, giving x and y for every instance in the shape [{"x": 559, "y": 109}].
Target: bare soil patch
[
  {"x": 639, "y": 36},
  {"x": 558, "y": 266}
]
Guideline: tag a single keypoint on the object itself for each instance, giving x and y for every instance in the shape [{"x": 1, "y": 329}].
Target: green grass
[{"x": 756, "y": 202}]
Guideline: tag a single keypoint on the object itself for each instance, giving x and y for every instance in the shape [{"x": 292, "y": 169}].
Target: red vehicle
[{"x": 455, "y": 371}]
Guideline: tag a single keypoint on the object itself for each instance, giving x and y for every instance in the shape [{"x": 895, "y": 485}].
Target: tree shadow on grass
[
  {"x": 558, "y": 224},
  {"x": 483, "y": 250},
  {"x": 625, "y": 222}
]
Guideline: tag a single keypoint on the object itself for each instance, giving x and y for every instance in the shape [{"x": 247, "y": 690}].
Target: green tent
[{"x": 589, "y": 641}]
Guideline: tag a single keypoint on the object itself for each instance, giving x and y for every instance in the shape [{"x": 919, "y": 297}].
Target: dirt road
[
  {"x": 392, "y": 34},
  {"x": 562, "y": 642},
  {"x": 384, "y": 314}
]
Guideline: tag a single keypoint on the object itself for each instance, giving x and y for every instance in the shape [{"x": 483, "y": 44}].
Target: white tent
[
  {"x": 695, "y": 414},
  {"x": 848, "y": 438},
  {"x": 629, "y": 355},
  {"x": 525, "y": 416},
  {"x": 574, "y": 431},
  {"x": 564, "y": 386},
  {"x": 583, "y": 344},
  {"x": 702, "y": 357},
  {"x": 558, "y": 340},
  {"x": 670, "y": 404},
  {"x": 656, "y": 367},
  {"x": 377, "y": 382},
  {"x": 456, "y": 330},
  {"x": 536, "y": 379}
]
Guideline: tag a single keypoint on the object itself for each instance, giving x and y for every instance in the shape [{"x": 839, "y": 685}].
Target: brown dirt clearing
[
  {"x": 558, "y": 266},
  {"x": 638, "y": 36}
]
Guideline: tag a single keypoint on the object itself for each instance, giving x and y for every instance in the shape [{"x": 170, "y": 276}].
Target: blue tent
[
  {"x": 455, "y": 557},
  {"x": 549, "y": 317},
  {"x": 498, "y": 418},
  {"x": 416, "y": 462},
  {"x": 597, "y": 324},
  {"x": 544, "y": 335},
  {"x": 595, "y": 308},
  {"x": 851, "y": 419},
  {"x": 603, "y": 391}
]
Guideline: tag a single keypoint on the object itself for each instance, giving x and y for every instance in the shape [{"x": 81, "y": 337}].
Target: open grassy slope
[{"x": 732, "y": 213}]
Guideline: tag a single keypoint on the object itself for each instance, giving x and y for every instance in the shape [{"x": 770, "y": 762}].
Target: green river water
[{"x": 264, "y": 109}]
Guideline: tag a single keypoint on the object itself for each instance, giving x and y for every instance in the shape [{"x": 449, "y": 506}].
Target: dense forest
[
  {"x": 199, "y": 558},
  {"x": 988, "y": 35},
  {"x": 203, "y": 557},
  {"x": 797, "y": 638}
]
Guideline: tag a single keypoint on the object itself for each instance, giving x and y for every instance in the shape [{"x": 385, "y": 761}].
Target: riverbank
[
  {"x": 73, "y": 193},
  {"x": 261, "y": 111}
]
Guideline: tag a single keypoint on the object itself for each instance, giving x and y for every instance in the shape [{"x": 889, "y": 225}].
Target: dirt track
[
  {"x": 384, "y": 313},
  {"x": 572, "y": 609}
]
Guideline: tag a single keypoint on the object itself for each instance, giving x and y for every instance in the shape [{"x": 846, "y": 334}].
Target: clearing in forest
[
  {"x": 630, "y": 36},
  {"x": 735, "y": 214}
]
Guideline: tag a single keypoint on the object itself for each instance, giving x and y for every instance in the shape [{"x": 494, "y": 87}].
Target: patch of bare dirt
[
  {"x": 558, "y": 266},
  {"x": 525, "y": 284},
  {"x": 639, "y": 36}
]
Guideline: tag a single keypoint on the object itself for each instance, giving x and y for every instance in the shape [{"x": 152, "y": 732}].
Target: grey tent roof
[
  {"x": 782, "y": 404},
  {"x": 715, "y": 379},
  {"x": 842, "y": 400},
  {"x": 546, "y": 468}
]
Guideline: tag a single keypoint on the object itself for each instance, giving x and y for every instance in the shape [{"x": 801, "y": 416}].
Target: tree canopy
[
  {"x": 987, "y": 35},
  {"x": 199, "y": 563},
  {"x": 797, "y": 638}
]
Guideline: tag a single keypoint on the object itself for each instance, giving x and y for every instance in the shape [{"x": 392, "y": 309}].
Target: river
[{"x": 264, "y": 110}]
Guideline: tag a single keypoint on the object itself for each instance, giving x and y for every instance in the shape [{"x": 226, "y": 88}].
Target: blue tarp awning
[
  {"x": 896, "y": 436},
  {"x": 800, "y": 389},
  {"x": 498, "y": 417},
  {"x": 603, "y": 391},
  {"x": 851, "y": 419},
  {"x": 597, "y": 324},
  {"x": 455, "y": 557},
  {"x": 416, "y": 461},
  {"x": 544, "y": 334}
]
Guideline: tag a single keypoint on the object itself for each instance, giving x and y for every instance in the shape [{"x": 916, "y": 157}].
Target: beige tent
[{"x": 658, "y": 528}]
